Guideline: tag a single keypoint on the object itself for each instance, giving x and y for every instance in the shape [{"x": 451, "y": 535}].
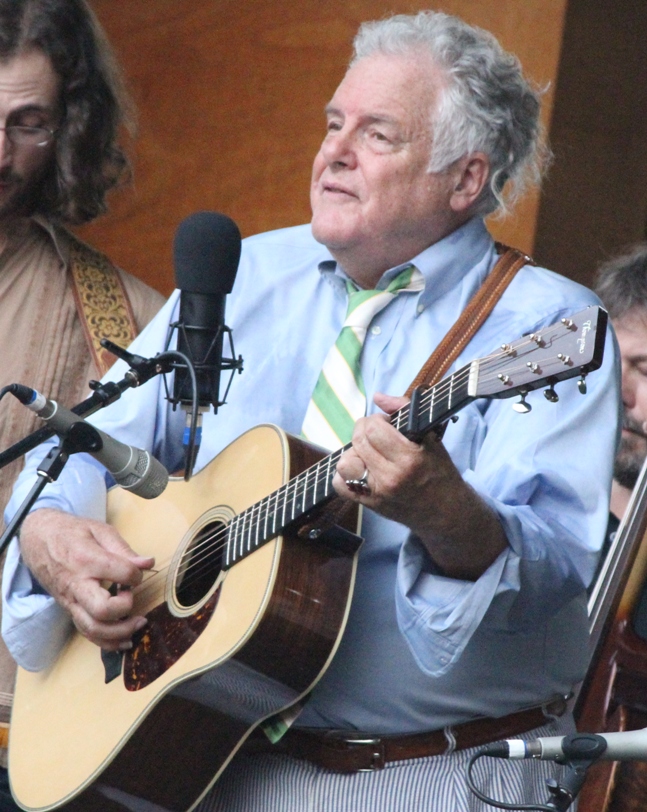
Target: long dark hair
[{"x": 88, "y": 159}]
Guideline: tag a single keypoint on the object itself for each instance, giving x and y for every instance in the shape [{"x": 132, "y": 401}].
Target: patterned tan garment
[{"x": 43, "y": 344}]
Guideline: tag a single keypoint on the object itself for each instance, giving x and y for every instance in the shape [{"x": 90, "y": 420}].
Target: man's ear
[{"x": 471, "y": 174}]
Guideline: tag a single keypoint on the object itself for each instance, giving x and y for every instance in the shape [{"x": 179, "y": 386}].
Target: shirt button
[{"x": 376, "y": 330}]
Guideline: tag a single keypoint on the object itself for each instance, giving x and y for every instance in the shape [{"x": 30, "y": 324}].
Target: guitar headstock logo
[{"x": 586, "y": 328}]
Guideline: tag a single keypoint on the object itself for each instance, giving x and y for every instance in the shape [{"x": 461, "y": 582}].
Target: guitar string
[
  {"x": 290, "y": 492},
  {"x": 297, "y": 493},
  {"x": 304, "y": 483},
  {"x": 221, "y": 536}
]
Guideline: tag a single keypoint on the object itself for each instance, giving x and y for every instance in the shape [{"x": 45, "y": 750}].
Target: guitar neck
[{"x": 313, "y": 487}]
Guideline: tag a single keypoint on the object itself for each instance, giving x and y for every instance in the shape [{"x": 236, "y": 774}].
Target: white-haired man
[{"x": 469, "y": 614}]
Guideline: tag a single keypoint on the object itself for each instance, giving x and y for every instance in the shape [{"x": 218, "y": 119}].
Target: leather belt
[{"x": 352, "y": 751}]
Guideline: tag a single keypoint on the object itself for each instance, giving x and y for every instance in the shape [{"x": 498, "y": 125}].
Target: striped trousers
[{"x": 278, "y": 783}]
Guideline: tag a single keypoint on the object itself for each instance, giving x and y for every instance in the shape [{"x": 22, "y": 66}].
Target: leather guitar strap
[
  {"x": 476, "y": 312},
  {"x": 101, "y": 301}
]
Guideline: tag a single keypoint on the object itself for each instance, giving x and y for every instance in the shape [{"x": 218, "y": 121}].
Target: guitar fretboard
[{"x": 311, "y": 488}]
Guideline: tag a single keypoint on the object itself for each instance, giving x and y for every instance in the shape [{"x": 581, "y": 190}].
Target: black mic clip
[
  {"x": 204, "y": 368},
  {"x": 141, "y": 369}
]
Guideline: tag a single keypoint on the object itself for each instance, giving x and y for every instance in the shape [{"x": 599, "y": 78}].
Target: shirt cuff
[
  {"x": 438, "y": 615},
  {"x": 34, "y": 627}
]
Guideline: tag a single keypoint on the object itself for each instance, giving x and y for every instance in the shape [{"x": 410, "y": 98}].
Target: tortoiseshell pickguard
[{"x": 163, "y": 641}]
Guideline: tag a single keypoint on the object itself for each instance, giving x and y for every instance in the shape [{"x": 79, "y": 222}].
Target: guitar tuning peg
[
  {"x": 551, "y": 395},
  {"x": 522, "y": 407},
  {"x": 581, "y": 384}
]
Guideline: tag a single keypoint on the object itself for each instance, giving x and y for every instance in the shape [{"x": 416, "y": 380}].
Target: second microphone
[{"x": 132, "y": 468}]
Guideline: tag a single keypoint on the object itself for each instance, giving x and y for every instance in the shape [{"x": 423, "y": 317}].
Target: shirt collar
[
  {"x": 442, "y": 265},
  {"x": 56, "y": 236}
]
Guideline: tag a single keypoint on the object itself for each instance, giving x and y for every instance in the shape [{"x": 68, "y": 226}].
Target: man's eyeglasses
[{"x": 21, "y": 136}]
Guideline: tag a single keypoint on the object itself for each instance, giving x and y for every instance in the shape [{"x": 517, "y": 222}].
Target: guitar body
[{"x": 215, "y": 659}]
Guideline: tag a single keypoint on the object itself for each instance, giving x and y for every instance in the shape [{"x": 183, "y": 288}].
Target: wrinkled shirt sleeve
[{"x": 547, "y": 476}]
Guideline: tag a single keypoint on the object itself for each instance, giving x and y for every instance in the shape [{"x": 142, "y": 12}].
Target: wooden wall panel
[
  {"x": 595, "y": 199},
  {"x": 230, "y": 98}
]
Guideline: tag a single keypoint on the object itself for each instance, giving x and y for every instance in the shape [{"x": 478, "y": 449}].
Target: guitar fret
[
  {"x": 283, "y": 522},
  {"x": 313, "y": 486},
  {"x": 256, "y": 524},
  {"x": 330, "y": 474},
  {"x": 316, "y": 483},
  {"x": 275, "y": 514},
  {"x": 249, "y": 526},
  {"x": 312, "y": 479},
  {"x": 228, "y": 540},
  {"x": 426, "y": 407},
  {"x": 266, "y": 513},
  {"x": 231, "y": 541},
  {"x": 304, "y": 494},
  {"x": 243, "y": 529},
  {"x": 240, "y": 532},
  {"x": 294, "y": 496},
  {"x": 325, "y": 476},
  {"x": 239, "y": 529},
  {"x": 290, "y": 496}
]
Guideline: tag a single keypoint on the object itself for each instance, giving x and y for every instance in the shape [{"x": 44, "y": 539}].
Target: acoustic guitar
[{"x": 256, "y": 562}]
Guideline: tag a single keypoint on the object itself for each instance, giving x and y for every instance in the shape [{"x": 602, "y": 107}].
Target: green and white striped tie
[{"x": 339, "y": 399}]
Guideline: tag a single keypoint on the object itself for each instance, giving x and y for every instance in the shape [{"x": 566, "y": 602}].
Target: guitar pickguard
[{"x": 162, "y": 642}]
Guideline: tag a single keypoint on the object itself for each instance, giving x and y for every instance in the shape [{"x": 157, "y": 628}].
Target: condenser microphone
[
  {"x": 628, "y": 745},
  {"x": 132, "y": 468},
  {"x": 206, "y": 255}
]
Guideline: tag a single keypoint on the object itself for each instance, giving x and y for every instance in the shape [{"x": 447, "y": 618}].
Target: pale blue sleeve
[{"x": 547, "y": 475}]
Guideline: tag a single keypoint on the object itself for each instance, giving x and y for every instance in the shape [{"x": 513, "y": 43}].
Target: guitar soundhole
[{"x": 200, "y": 564}]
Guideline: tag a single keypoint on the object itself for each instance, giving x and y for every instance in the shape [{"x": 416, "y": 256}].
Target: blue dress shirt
[{"x": 421, "y": 650}]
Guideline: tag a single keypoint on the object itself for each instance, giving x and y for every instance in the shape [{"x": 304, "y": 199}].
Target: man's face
[
  {"x": 371, "y": 194},
  {"x": 631, "y": 331},
  {"x": 29, "y": 96}
]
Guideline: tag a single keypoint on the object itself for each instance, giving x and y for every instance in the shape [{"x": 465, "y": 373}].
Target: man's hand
[
  {"x": 76, "y": 560},
  {"x": 419, "y": 486}
]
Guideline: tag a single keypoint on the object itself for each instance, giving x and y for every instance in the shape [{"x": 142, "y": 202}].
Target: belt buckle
[{"x": 377, "y": 756}]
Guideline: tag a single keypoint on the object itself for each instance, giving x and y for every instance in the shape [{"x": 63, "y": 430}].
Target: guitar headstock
[{"x": 572, "y": 346}]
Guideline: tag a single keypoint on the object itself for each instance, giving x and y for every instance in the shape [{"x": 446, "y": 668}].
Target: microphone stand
[
  {"x": 80, "y": 436},
  {"x": 580, "y": 751},
  {"x": 565, "y": 791},
  {"x": 141, "y": 370}
]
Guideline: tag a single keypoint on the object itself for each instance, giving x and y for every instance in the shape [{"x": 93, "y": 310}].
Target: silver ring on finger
[{"x": 359, "y": 486}]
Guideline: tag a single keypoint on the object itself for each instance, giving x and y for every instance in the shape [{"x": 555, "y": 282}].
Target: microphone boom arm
[{"x": 142, "y": 370}]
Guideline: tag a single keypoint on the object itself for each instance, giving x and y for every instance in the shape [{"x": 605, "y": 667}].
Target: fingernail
[
  {"x": 126, "y": 646},
  {"x": 141, "y": 622}
]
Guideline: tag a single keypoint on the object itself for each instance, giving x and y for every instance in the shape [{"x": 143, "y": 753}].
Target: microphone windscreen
[{"x": 206, "y": 253}]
